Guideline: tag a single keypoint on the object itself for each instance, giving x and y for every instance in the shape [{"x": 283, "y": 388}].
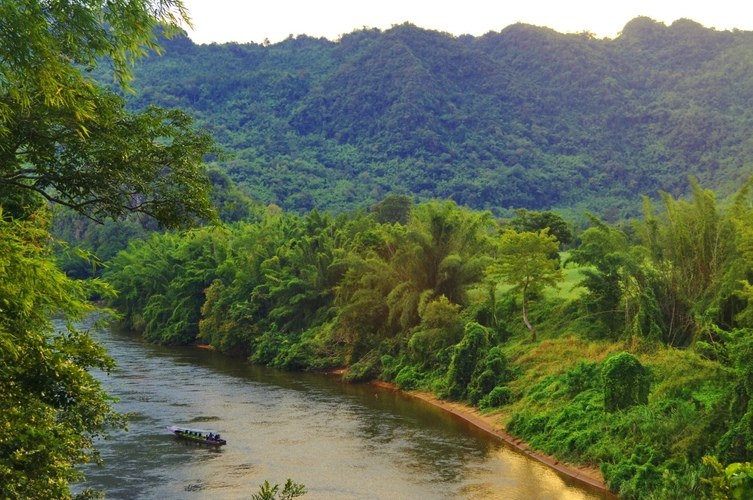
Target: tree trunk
[
  {"x": 493, "y": 304},
  {"x": 525, "y": 315},
  {"x": 627, "y": 304}
]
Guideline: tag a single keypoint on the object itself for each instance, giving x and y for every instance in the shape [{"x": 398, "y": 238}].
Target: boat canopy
[{"x": 175, "y": 428}]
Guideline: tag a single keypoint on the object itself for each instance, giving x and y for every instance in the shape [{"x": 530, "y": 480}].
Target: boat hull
[{"x": 183, "y": 433}]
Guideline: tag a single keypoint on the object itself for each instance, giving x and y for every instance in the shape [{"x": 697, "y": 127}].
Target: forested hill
[{"x": 526, "y": 117}]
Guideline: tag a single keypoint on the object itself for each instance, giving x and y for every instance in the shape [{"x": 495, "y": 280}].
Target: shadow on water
[{"x": 343, "y": 441}]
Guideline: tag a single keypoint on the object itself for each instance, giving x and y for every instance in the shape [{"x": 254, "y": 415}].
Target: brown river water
[{"x": 343, "y": 441}]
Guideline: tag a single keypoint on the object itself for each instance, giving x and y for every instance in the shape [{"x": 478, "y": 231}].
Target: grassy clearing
[
  {"x": 532, "y": 363},
  {"x": 683, "y": 374},
  {"x": 568, "y": 289}
]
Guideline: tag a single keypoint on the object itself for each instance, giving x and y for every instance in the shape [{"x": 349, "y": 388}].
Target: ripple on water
[
  {"x": 198, "y": 486},
  {"x": 339, "y": 440},
  {"x": 136, "y": 416},
  {"x": 243, "y": 470},
  {"x": 210, "y": 418}
]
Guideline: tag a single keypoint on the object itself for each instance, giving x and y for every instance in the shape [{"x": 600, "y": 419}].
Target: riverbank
[{"x": 587, "y": 475}]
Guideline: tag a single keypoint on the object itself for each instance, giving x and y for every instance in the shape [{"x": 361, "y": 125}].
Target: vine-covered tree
[{"x": 626, "y": 382}]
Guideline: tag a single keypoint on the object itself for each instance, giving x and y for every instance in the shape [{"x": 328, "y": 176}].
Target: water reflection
[{"x": 342, "y": 441}]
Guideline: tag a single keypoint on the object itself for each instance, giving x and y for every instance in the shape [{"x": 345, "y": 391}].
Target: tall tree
[
  {"x": 446, "y": 249},
  {"x": 398, "y": 271},
  {"x": 691, "y": 245},
  {"x": 524, "y": 264},
  {"x": 109, "y": 164},
  {"x": 46, "y": 46},
  {"x": 609, "y": 266},
  {"x": 51, "y": 407},
  {"x": 533, "y": 222},
  {"x": 64, "y": 139},
  {"x": 72, "y": 142}
]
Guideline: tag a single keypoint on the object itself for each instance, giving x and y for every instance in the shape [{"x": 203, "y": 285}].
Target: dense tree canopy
[
  {"x": 66, "y": 140},
  {"x": 46, "y": 45},
  {"x": 524, "y": 117},
  {"x": 72, "y": 142},
  {"x": 51, "y": 407},
  {"x": 110, "y": 164},
  {"x": 427, "y": 295}
]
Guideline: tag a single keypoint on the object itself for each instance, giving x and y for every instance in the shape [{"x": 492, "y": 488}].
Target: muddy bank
[{"x": 590, "y": 476}]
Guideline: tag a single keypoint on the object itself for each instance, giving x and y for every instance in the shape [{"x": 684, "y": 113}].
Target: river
[{"x": 343, "y": 441}]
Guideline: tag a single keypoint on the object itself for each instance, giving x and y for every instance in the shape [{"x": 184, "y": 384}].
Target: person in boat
[
  {"x": 217, "y": 437},
  {"x": 210, "y": 436}
]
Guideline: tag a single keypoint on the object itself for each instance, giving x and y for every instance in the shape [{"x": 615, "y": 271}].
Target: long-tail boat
[{"x": 196, "y": 435}]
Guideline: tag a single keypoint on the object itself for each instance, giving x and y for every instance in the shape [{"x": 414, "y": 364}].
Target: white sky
[{"x": 253, "y": 21}]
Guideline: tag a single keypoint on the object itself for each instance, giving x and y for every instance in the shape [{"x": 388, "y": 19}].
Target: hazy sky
[{"x": 246, "y": 21}]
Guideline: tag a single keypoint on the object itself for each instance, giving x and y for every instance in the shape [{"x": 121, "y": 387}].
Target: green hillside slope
[{"x": 526, "y": 117}]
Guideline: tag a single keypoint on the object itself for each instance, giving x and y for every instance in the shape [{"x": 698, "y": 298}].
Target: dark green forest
[
  {"x": 621, "y": 341},
  {"x": 526, "y": 117},
  {"x": 458, "y": 215}
]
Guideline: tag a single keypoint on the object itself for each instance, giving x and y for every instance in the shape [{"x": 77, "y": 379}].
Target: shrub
[
  {"x": 268, "y": 346},
  {"x": 489, "y": 373},
  {"x": 408, "y": 378},
  {"x": 390, "y": 368},
  {"x": 584, "y": 376},
  {"x": 465, "y": 359},
  {"x": 499, "y": 396},
  {"x": 363, "y": 370},
  {"x": 626, "y": 382},
  {"x": 706, "y": 350},
  {"x": 734, "y": 481}
]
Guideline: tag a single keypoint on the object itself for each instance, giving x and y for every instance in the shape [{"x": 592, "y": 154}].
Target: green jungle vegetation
[
  {"x": 524, "y": 117},
  {"x": 66, "y": 141},
  {"x": 631, "y": 349},
  {"x": 641, "y": 365}
]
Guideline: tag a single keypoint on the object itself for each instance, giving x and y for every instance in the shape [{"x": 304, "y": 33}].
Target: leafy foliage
[
  {"x": 51, "y": 406},
  {"x": 732, "y": 482},
  {"x": 67, "y": 140},
  {"x": 534, "y": 222},
  {"x": 150, "y": 162},
  {"x": 617, "y": 377},
  {"x": 73, "y": 142},
  {"x": 524, "y": 117},
  {"x": 626, "y": 382},
  {"x": 290, "y": 490}
]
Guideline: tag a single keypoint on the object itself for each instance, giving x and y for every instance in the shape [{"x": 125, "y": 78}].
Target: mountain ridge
[{"x": 524, "y": 117}]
